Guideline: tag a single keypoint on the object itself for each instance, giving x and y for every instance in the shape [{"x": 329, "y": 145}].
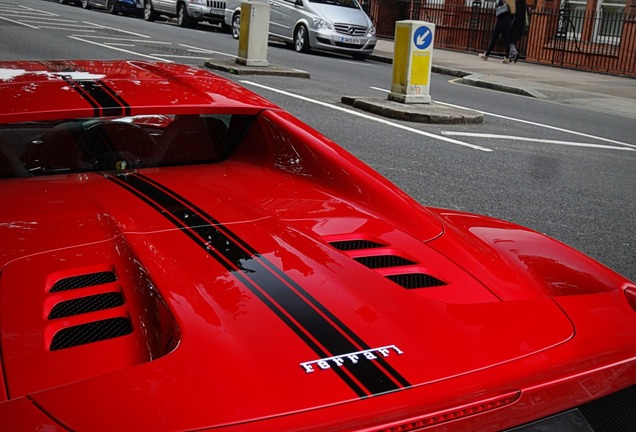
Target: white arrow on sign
[{"x": 420, "y": 39}]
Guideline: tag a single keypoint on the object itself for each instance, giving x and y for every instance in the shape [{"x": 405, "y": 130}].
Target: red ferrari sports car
[{"x": 179, "y": 254}]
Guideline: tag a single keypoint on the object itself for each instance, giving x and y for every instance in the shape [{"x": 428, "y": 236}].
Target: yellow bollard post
[
  {"x": 412, "y": 62},
  {"x": 252, "y": 50}
]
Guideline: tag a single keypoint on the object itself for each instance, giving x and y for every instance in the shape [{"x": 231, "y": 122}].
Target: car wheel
[
  {"x": 301, "y": 39},
  {"x": 236, "y": 26},
  {"x": 149, "y": 11},
  {"x": 183, "y": 19},
  {"x": 85, "y": 4},
  {"x": 110, "y": 7}
]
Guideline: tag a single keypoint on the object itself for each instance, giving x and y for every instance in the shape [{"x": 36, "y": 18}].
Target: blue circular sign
[{"x": 422, "y": 37}]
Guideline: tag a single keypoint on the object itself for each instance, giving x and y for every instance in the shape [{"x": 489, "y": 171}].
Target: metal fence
[{"x": 603, "y": 41}]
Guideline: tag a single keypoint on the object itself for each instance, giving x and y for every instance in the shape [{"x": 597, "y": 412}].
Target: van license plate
[{"x": 351, "y": 41}]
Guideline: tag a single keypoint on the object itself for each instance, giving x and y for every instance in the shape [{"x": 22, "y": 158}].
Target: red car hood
[{"x": 225, "y": 282}]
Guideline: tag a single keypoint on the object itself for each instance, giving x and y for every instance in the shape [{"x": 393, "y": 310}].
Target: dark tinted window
[{"x": 107, "y": 144}]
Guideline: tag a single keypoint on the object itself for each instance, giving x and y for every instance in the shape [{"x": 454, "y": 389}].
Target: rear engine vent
[
  {"x": 348, "y": 245},
  {"x": 383, "y": 261},
  {"x": 91, "y": 332},
  {"x": 415, "y": 280},
  {"x": 86, "y": 304},
  {"x": 82, "y": 281}
]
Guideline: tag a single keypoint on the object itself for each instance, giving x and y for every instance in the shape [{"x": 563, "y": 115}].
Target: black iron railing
[{"x": 600, "y": 41}]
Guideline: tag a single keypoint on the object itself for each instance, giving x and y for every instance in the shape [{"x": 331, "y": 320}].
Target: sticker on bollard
[{"x": 422, "y": 37}]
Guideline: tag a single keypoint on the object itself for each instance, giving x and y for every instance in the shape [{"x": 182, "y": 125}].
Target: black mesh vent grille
[
  {"x": 615, "y": 412},
  {"x": 82, "y": 281},
  {"x": 91, "y": 332},
  {"x": 383, "y": 261},
  {"x": 348, "y": 245},
  {"x": 415, "y": 280},
  {"x": 86, "y": 304}
]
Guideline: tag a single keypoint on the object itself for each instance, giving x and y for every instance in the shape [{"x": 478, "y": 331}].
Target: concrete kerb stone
[
  {"x": 433, "y": 113},
  {"x": 480, "y": 80},
  {"x": 232, "y": 67}
]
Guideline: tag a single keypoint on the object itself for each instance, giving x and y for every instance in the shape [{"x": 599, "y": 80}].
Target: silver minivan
[{"x": 331, "y": 25}]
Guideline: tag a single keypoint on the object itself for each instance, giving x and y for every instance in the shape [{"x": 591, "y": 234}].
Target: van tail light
[{"x": 419, "y": 423}]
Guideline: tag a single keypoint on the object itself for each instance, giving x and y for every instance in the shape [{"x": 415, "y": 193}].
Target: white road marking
[
  {"x": 206, "y": 51},
  {"x": 119, "y": 44},
  {"x": 76, "y": 27},
  {"x": 47, "y": 20},
  {"x": 181, "y": 56},
  {"x": 538, "y": 140},
  {"x": 66, "y": 29},
  {"x": 117, "y": 29},
  {"x": 25, "y": 11},
  {"x": 120, "y": 49},
  {"x": 125, "y": 40},
  {"x": 531, "y": 123},
  {"x": 18, "y": 22},
  {"x": 369, "y": 117}
]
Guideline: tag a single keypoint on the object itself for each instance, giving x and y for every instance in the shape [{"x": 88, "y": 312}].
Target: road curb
[
  {"x": 432, "y": 113},
  {"x": 232, "y": 67}
]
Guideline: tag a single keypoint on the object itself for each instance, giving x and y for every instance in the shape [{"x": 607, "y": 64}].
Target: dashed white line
[
  {"x": 205, "y": 51},
  {"x": 549, "y": 127},
  {"x": 127, "y": 40},
  {"x": 369, "y": 117},
  {"x": 66, "y": 29},
  {"x": 537, "y": 140},
  {"x": 117, "y": 29},
  {"x": 18, "y": 22},
  {"x": 531, "y": 123},
  {"x": 120, "y": 49}
]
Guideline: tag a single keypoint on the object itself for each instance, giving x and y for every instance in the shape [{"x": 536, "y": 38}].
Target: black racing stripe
[
  {"x": 115, "y": 96},
  {"x": 258, "y": 275},
  {"x": 361, "y": 345},
  {"x": 78, "y": 88},
  {"x": 199, "y": 234},
  {"x": 110, "y": 106},
  {"x": 207, "y": 219}
]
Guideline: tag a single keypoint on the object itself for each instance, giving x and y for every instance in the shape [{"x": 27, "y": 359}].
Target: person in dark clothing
[
  {"x": 518, "y": 24},
  {"x": 504, "y": 9}
]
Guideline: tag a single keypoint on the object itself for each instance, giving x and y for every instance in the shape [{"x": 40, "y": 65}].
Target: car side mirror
[{"x": 299, "y": 2}]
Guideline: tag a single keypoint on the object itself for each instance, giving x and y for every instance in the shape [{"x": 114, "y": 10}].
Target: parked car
[
  {"x": 187, "y": 12},
  {"x": 135, "y": 7},
  {"x": 177, "y": 253},
  {"x": 332, "y": 25}
]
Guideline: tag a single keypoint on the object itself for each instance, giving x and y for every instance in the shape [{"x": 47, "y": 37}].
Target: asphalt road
[{"x": 567, "y": 172}]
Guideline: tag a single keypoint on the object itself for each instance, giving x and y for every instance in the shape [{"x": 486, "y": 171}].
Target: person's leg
[
  {"x": 493, "y": 39},
  {"x": 513, "y": 52},
  {"x": 506, "y": 32}
]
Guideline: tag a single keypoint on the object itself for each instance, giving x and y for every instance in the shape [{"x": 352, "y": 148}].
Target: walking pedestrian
[
  {"x": 504, "y": 10},
  {"x": 519, "y": 23}
]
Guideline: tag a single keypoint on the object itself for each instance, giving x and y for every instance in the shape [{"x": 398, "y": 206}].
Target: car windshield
[
  {"x": 117, "y": 143},
  {"x": 343, "y": 3}
]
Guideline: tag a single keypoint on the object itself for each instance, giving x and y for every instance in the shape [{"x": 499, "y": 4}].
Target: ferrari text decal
[
  {"x": 314, "y": 324},
  {"x": 353, "y": 358}
]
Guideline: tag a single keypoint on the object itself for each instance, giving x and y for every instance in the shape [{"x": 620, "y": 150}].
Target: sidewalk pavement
[{"x": 599, "y": 92}]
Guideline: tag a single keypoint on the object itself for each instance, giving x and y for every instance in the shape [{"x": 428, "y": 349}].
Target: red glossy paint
[{"x": 246, "y": 314}]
